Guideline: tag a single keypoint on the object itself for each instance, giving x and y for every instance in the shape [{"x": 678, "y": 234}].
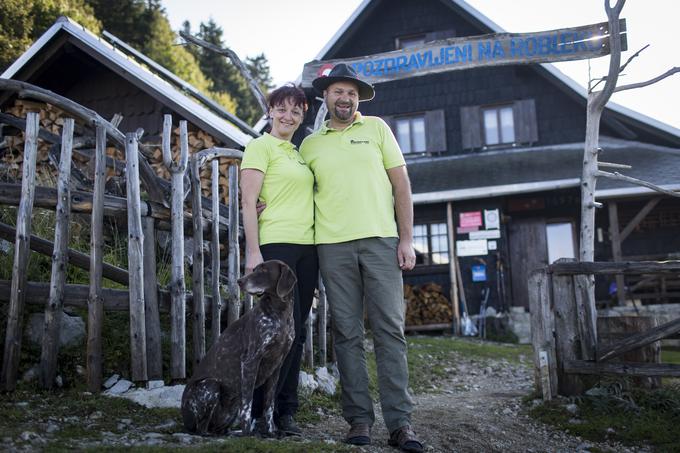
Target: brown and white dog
[{"x": 248, "y": 354}]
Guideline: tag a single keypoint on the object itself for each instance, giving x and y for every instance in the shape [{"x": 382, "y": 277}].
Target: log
[
  {"x": 322, "y": 322},
  {"x": 309, "y": 343},
  {"x": 74, "y": 257},
  {"x": 567, "y": 344},
  {"x": 585, "y": 317},
  {"x": 639, "y": 340},
  {"x": 542, "y": 334},
  {"x": 95, "y": 316},
  {"x": 215, "y": 327},
  {"x": 234, "y": 251},
  {"x": 607, "y": 268},
  {"x": 198, "y": 283},
  {"x": 10, "y": 363},
  {"x": 622, "y": 369},
  {"x": 135, "y": 262},
  {"x": 52, "y": 323},
  {"x": 452, "y": 269},
  {"x": 614, "y": 231},
  {"x": 612, "y": 329},
  {"x": 152, "y": 322},
  {"x": 177, "y": 289}
]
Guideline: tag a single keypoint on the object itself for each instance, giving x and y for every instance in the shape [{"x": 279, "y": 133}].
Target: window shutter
[
  {"x": 435, "y": 131},
  {"x": 471, "y": 127},
  {"x": 526, "y": 130}
]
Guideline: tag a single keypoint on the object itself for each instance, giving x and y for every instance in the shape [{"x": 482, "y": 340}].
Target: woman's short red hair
[{"x": 288, "y": 91}]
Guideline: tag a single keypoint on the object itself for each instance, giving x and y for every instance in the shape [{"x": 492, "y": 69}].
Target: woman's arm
[{"x": 251, "y": 184}]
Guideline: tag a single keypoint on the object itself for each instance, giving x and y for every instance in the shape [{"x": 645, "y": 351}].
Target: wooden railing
[{"x": 564, "y": 329}]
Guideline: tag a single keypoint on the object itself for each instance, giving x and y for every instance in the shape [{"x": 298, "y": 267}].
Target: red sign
[{"x": 471, "y": 219}]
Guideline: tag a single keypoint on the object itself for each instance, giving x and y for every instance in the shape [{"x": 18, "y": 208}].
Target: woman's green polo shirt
[
  {"x": 287, "y": 190},
  {"x": 353, "y": 198}
]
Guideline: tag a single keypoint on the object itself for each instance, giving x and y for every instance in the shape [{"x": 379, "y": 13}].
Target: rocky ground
[{"x": 477, "y": 408}]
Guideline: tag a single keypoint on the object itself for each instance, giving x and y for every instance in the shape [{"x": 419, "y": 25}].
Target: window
[
  {"x": 499, "y": 125},
  {"x": 560, "y": 237},
  {"x": 406, "y": 42},
  {"x": 431, "y": 242},
  {"x": 418, "y": 133},
  {"x": 411, "y": 133}
]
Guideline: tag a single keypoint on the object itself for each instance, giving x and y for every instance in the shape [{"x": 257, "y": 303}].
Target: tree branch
[
  {"x": 631, "y": 86},
  {"x": 619, "y": 177},
  {"x": 615, "y": 55}
]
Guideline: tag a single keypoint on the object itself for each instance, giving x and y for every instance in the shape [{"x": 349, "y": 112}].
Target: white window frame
[
  {"x": 409, "y": 120},
  {"x": 502, "y": 136}
]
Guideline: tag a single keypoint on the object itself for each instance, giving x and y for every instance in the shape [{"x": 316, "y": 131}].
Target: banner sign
[{"x": 578, "y": 43}]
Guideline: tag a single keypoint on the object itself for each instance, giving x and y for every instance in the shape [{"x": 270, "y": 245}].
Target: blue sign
[{"x": 479, "y": 273}]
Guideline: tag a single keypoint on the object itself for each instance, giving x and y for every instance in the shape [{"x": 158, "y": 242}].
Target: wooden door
[{"x": 528, "y": 251}]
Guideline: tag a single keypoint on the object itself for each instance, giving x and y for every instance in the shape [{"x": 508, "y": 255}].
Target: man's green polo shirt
[
  {"x": 287, "y": 190},
  {"x": 353, "y": 194}
]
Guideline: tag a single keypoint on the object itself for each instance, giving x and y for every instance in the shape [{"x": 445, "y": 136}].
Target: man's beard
[{"x": 344, "y": 115}]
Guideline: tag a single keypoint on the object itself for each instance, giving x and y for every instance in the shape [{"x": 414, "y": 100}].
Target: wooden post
[
  {"x": 542, "y": 338},
  {"x": 198, "y": 320},
  {"x": 309, "y": 342},
  {"x": 135, "y": 261},
  {"x": 52, "y": 325},
  {"x": 215, "y": 254},
  {"x": 154, "y": 358},
  {"x": 322, "y": 318},
  {"x": 177, "y": 288},
  {"x": 453, "y": 275},
  {"x": 567, "y": 344},
  {"x": 614, "y": 231},
  {"x": 10, "y": 363},
  {"x": 586, "y": 319},
  {"x": 234, "y": 251},
  {"x": 95, "y": 305}
]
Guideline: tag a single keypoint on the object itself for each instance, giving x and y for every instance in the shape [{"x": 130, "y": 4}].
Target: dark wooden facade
[{"x": 532, "y": 179}]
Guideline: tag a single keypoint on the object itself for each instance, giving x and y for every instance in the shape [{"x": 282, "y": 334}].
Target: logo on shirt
[{"x": 359, "y": 142}]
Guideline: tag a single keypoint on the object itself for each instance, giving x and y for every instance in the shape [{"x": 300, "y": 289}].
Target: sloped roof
[
  {"x": 136, "y": 74},
  {"x": 489, "y": 26},
  {"x": 539, "y": 168}
]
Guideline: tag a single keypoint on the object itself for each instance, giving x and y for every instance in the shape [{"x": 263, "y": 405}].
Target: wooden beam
[
  {"x": 646, "y": 209},
  {"x": 453, "y": 275},
  {"x": 215, "y": 327},
  {"x": 233, "y": 268},
  {"x": 606, "y": 268},
  {"x": 75, "y": 258},
  {"x": 154, "y": 358},
  {"x": 12, "y": 353},
  {"x": 138, "y": 365},
  {"x": 622, "y": 368},
  {"x": 616, "y": 250},
  {"x": 542, "y": 333},
  {"x": 588, "y": 41},
  {"x": 197, "y": 277},
  {"x": 52, "y": 321},
  {"x": 95, "y": 305},
  {"x": 639, "y": 340}
]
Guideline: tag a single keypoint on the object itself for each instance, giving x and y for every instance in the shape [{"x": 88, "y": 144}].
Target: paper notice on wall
[
  {"x": 471, "y": 248},
  {"x": 470, "y": 219},
  {"x": 485, "y": 234},
  {"x": 492, "y": 219},
  {"x": 492, "y": 245}
]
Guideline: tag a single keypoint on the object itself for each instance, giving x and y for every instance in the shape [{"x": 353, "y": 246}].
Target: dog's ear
[{"x": 286, "y": 281}]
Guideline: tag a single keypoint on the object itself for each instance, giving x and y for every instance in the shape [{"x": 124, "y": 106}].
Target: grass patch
[{"x": 611, "y": 411}]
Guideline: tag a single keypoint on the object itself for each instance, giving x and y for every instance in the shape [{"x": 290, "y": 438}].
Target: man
[{"x": 361, "y": 183}]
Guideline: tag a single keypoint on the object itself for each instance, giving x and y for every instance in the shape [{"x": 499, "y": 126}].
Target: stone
[
  {"x": 572, "y": 408},
  {"x": 155, "y": 384},
  {"x": 31, "y": 374},
  {"x": 120, "y": 387},
  {"x": 111, "y": 380},
  {"x": 306, "y": 383},
  {"x": 71, "y": 333},
  {"x": 326, "y": 382}
]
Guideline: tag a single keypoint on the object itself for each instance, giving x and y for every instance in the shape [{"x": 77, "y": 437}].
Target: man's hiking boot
[
  {"x": 286, "y": 425},
  {"x": 406, "y": 440},
  {"x": 359, "y": 434}
]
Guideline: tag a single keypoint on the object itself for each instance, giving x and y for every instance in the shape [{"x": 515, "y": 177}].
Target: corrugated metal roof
[{"x": 139, "y": 76}]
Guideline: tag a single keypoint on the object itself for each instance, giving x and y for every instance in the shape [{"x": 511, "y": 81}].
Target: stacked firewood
[
  {"x": 426, "y": 304},
  {"x": 51, "y": 120}
]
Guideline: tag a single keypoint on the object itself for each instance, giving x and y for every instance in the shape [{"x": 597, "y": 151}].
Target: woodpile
[
  {"x": 427, "y": 304},
  {"x": 51, "y": 120}
]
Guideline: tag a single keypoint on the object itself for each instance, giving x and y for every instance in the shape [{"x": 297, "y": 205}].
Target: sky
[{"x": 292, "y": 33}]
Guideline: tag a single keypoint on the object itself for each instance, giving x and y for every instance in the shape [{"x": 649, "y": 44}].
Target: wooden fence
[
  {"x": 564, "y": 327},
  {"x": 144, "y": 299}
]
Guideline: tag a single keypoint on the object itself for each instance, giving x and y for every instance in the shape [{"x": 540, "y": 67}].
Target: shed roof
[
  {"x": 540, "y": 168},
  {"x": 137, "y": 74}
]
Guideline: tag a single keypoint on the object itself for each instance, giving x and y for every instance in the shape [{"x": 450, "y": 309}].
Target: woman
[{"x": 273, "y": 171}]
